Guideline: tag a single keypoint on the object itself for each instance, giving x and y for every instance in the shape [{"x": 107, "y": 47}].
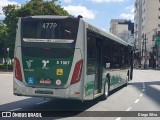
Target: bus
[{"x": 68, "y": 58}]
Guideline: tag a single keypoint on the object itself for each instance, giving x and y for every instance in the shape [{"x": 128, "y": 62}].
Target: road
[{"x": 141, "y": 94}]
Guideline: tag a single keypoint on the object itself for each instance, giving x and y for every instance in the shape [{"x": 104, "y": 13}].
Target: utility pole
[
  {"x": 7, "y": 58},
  {"x": 142, "y": 45},
  {"x": 157, "y": 49},
  {"x": 145, "y": 49}
]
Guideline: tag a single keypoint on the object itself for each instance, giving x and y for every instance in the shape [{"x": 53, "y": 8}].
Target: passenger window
[{"x": 90, "y": 53}]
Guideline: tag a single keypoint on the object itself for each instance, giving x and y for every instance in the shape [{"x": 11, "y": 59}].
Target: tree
[
  {"x": 10, "y": 21},
  {"x": 3, "y": 35},
  {"x": 39, "y": 7},
  {"x": 34, "y": 7}
]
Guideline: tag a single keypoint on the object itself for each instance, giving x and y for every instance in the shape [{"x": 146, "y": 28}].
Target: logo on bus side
[
  {"x": 29, "y": 64},
  {"x": 45, "y": 62}
]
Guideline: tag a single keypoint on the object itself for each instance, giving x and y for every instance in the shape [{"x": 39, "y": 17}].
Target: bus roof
[{"x": 49, "y": 17}]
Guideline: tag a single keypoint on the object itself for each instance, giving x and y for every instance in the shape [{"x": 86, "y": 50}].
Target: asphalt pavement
[{"x": 140, "y": 96}]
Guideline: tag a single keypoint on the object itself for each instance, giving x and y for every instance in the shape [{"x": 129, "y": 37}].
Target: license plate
[
  {"x": 48, "y": 82},
  {"x": 44, "y": 92}
]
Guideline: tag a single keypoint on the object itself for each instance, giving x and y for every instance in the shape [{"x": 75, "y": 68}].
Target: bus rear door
[{"x": 98, "y": 72}]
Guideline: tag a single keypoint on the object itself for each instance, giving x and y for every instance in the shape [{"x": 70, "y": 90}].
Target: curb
[{"x": 6, "y": 72}]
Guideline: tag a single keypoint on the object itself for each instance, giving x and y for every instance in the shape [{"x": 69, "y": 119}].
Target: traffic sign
[{"x": 157, "y": 41}]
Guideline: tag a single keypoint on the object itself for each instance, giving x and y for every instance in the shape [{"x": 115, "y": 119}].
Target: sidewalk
[{"x": 6, "y": 72}]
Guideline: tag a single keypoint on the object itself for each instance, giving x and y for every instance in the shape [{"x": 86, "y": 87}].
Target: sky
[{"x": 96, "y": 12}]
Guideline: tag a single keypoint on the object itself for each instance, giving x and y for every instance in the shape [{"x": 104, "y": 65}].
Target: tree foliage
[
  {"x": 3, "y": 40},
  {"x": 13, "y": 12}
]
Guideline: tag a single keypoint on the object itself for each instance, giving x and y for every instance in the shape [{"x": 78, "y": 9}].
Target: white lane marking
[
  {"x": 143, "y": 90},
  {"x": 129, "y": 109},
  {"x": 156, "y": 87},
  {"x": 41, "y": 102},
  {"x": 15, "y": 109},
  {"x": 119, "y": 118},
  {"x": 144, "y": 85},
  {"x": 141, "y": 95},
  {"x": 142, "y": 82},
  {"x": 136, "y": 101}
]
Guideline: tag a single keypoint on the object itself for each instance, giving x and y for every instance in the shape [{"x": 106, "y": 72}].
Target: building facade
[
  {"x": 123, "y": 29},
  {"x": 137, "y": 32},
  {"x": 147, "y": 25}
]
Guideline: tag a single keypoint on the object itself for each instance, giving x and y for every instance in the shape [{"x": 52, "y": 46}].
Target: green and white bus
[{"x": 66, "y": 57}]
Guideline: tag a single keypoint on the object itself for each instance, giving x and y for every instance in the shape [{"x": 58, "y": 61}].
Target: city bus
[{"x": 68, "y": 58}]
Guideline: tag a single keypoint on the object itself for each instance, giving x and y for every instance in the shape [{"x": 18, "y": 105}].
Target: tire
[
  {"x": 126, "y": 82},
  {"x": 129, "y": 75},
  {"x": 127, "y": 79},
  {"x": 105, "y": 91}
]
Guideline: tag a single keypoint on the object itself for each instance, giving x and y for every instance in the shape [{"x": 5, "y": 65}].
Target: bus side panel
[
  {"x": 88, "y": 89},
  {"x": 75, "y": 90},
  {"x": 18, "y": 35},
  {"x": 80, "y": 44},
  {"x": 18, "y": 86}
]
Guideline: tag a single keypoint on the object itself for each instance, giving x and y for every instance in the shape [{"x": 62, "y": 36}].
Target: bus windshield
[{"x": 34, "y": 29}]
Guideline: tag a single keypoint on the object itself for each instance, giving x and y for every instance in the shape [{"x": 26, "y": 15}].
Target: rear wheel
[
  {"x": 127, "y": 79},
  {"x": 126, "y": 82},
  {"x": 106, "y": 90}
]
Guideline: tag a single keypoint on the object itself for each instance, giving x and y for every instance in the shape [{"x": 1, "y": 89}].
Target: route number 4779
[{"x": 49, "y": 25}]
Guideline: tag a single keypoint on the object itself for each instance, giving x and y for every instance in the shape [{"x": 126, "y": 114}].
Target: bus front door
[{"x": 98, "y": 74}]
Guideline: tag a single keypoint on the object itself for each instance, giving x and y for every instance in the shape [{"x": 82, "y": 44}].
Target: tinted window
[
  {"x": 48, "y": 52},
  {"x": 116, "y": 62},
  {"x": 90, "y": 53},
  {"x": 50, "y": 28},
  {"x": 107, "y": 52}
]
